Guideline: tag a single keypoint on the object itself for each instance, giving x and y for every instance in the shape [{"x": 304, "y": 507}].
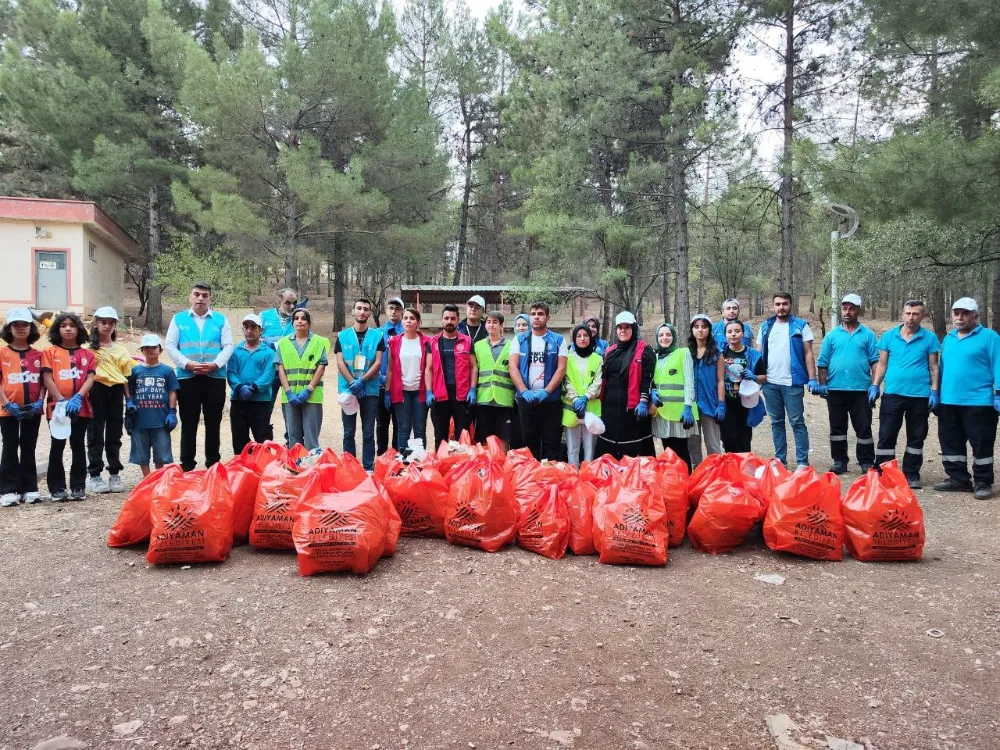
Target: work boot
[
  {"x": 115, "y": 483},
  {"x": 949, "y": 486},
  {"x": 838, "y": 467},
  {"x": 983, "y": 492},
  {"x": 97, "y": 485},
  {"x": 9, "y": 499},
  {"x": 914, "y": 483}
]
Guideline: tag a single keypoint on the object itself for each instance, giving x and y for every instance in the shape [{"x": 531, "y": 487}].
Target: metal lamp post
[{"x": 844, "y": 215}]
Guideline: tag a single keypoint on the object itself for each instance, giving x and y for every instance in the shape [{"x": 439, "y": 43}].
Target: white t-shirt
[
  {"x": 411, "y": 363},
  {"x": 536, "y": 364},
  {"x": 779, "y": 360}
]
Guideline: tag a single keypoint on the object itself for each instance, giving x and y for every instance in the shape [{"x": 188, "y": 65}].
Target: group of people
[{"x": 535, "y": 389}]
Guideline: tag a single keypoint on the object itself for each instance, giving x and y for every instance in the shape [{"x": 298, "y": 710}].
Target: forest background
[{"x": 665, "y": 154}]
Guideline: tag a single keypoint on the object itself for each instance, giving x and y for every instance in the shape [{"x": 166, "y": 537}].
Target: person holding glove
[
  {"x": 250, "y": 374},
  {"x": 449, "y": 375},
  {"x": 386, "y": 417},
  {"x": 710, "y": 387},
  {"x": 740, "y": 363},
  {"x": 406, "y": 390},
  {"x": 626, "y": 375},
  {"x": 675, "y": 408},
  {"x": 302, "y": 360},
  {"x": 581, "y": 394},
  {"x": 154, "y": 388},
  {"x": 21, "y": 401}
]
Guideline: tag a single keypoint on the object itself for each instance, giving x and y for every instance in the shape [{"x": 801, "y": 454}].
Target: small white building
[{"x": 61, "y": 255}]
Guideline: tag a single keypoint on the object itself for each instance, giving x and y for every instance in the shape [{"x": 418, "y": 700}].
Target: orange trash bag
[
  {"x": 192, "y": 519},
  {"x": 133, "y": 524},
  {"x": 420, "y": 497},
  {"x": 386, "y": 464},
  {"x": 295, "y": 454},
  {"x": 481, "y": 511},
  {"x": 630, "y": 526},
  {"x": 244, "y": 478},
  {"x": 340, "y": 531},
  {"x": 671, "y": 481},
  {"x": 725, "y": 515},
  {"x": 668, "y": 457},
  {"x": 769, "y": 476},
  {"x": 600, "y": 471},
  {"x": 258, "y": 455},
  {"x": 579, "y": 498},
  {"x": 724, "y": 466},
  {"x": 273, "y": 512},
  {"x": 544, "y": 525},
  {"x": 805, "y": 517},
  {"x": 883, "y": 519}
]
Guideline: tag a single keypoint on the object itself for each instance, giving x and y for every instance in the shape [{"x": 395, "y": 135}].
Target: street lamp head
[{"x": 845, "y": 215}]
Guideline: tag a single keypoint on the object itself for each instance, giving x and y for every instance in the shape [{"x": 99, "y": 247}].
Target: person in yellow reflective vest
[
  {"x": 494, "y": 388},
  {"x": 302, "y": 360},
  {"x": 581, "y": 394},
  {"x": 675, "y": 418}
]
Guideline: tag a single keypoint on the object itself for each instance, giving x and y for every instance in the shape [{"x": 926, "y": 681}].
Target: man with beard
[
  {"x": 451, "y": 371},
  {"x": 359, "y": 351},
  {"x": 730, "y": 312}
]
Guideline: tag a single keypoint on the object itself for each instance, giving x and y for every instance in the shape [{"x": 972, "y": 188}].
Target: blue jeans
[
  {"x": 779, "y": 400},
  {"x": 368, "y": 411},
  {"x": 302, "y": 424},
  {"x": 410, "y": 415}
]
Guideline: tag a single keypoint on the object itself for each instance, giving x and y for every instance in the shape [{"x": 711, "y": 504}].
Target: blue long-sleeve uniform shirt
[
  {"x": 848, "y": 357},
  {"x": 970, "y": 368},
  {"x": 246, "y": 367}
]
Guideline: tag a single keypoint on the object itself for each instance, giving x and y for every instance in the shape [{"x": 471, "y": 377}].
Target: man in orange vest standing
[{"x": 451, "y": 371}]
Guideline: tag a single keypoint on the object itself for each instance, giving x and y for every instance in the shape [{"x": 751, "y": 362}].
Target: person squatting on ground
[
  {"x": 302, "y": 360},
  {"x": 785, "y": 343},
  {"x": 21, "y": 402},
  {"x": 494, "y": 388},
  {"x": 581, "y": 394},
  {"x": 537, "y": 368},
  {"x": 600, "y": 345},
  {"x": 730, "y": 312},
  {"x": 846, "y": 361},
  {"x": 108, "y": 398},
  {"x": 277, "y": 324},
  {"x": 200, "y": 343},
  {"x": 68, "y": 375},
  {"x": 970, "y": 401},
  {"x": 627, "y": 375},
  {"x": 908, "y": 370},
  {"x": 406, "y": 393},
  {"x": 710, "y": 389},
  {"x": 675, "y": 413},
  {"x": 386, "y": 416},
  {"x": 359, "y": 351},
  {"x": 250, "y": 374},
  {"x": 740, "y": 363},
  {"x": 450, "y": 373},
  {"x": 154, "y": 388}
]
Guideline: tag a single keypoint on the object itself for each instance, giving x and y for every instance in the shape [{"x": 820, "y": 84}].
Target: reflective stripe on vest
[
  {"x": 350, "y": 350},
  {"x": 200, "y": 345},
  {"x": 668, "y": 380},
  {"x": 580, "y": 380},
  {"x": 495, "y": 385},
  {"x": 300, "y": 370}
]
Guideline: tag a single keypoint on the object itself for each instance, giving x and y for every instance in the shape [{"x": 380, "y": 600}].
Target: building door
[{"x": 51, "y": 285}]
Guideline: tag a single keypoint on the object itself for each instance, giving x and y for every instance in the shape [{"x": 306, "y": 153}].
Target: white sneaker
[
  {"x": 115, "y": 483},
  {"x": 32, "y": 497},
  {"x": 9, "y": 500},
  {"x": 97, "y": 486}
]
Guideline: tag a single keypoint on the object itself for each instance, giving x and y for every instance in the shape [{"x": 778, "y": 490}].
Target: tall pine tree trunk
[
  {"x": 339, "y": 284},
  {"x": 154, "y": 300},
  {"x": 996, "y": 298},
  {"x": 463, "y": 222},
  {"x": 291, "y": 249},
  {"x": 682, "y": 291},
  {"x": 786, "y": 278}
]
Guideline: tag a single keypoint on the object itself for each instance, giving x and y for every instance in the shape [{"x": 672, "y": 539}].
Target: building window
[
  {"x": 92, "y": 252},
  {"x": 427, "y": 307}
]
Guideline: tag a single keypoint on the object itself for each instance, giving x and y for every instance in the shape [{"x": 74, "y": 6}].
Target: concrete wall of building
[
  {"x": 18, "y": 247},
  {"x": 103, "y": 276}
]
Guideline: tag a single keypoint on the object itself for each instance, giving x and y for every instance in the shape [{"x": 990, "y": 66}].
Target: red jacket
[
  {"x": 396, "y": 382},
  {"x": 634, "y": 373},
  {"x": 463, "y": 368}
]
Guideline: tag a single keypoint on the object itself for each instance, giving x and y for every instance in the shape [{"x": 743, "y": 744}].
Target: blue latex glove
[
  {"x": 129, "y": 422},
  {"x": 37, "y": 406},
  {"x": 720, "y": 411},
  {"x": 687, "y": 417},
  {"x": 358, "y": 388},
  {"x": 814, "y": 387},
  {"x": 935, "y": 400},
  {"x": 303, "y": 396},
  {"x": 580, "y": 406},
  {"x": 429, "y": 399},
  {"x": 654, "y": 397},
  {"x": 471, "y": 398},
  {"x": 171, "y": 420},
  {"x": 873, "y": 394},
  {"x": 387, "y": 401},
  {"x": 74, "y": 405},
  {"x": 642, "y": 410},
  {"x": 540, "y": 395},
  {"x": 289, "y": 395},
  {"x": 243, "y": 392},
  {"x": 13, "y": 409},
  {"x": 996, "y": 403},
  {"x": 824, "y": 390},
  {"x": 130, "y": 407},
  {"x": 381, "y": 382}
]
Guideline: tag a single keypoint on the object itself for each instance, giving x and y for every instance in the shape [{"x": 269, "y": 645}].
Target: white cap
[
  {"x": 965, "y": 303},
  {"x": 702, "y": 316},
  {"x": 851, "y": 299},
  {"x": 475, "y": 299},
  {"x": 624, "y": 317},
  {"x": 396, "y": 301},
  {"x": 252, "y": 318},
  {"x": 150, "y": 339},
  {"x": 60, "y": 426},
  {"x": 19, "y": 315},
  {"x": 348, "y": 403},
  {"x": 106, "y": 312}
]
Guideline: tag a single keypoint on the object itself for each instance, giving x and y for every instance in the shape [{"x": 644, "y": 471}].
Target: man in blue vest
[
  {"x": 730, "y": 311},
  {"x": 359, "y": 360},
  {"x": 277, "y": 324},
  {"x": 970, "y": 401},
  {"x": 785, "y": 344},
  {"x": 200, "y": 343},
  {"x": 393, "y": 327}
]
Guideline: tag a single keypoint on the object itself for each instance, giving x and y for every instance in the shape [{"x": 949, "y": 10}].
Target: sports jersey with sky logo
[
  {"x": 69, "y": 368},
  {"x": 20, "y": 372}
]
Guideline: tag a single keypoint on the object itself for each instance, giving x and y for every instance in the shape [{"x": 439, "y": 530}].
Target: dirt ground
[{"x": 448, "y": 647}]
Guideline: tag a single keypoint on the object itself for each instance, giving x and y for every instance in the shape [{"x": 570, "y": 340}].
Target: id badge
[{"x": 360, "y": 363}]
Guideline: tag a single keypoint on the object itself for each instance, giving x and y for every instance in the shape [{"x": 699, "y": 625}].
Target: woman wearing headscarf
[
  {"x": 675, "y": 413},
  {"x": 600, "y": 345},
  {"x": 627, "y": 375},
  {"x": 581, "y": 394},
  {"x": 521, "y": 324}
]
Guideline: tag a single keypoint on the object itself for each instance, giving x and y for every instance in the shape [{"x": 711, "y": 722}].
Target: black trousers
[
  {"x": 842, "y": 405},
  {"x": 104, "y": 435},
  {"x": 541, "y": 428},
  {"x": 383, "y": 418},
  {"x": 441, "y": 415},
  {"x": 200, "y": 395},
  {"x": 680, "y": 447},
  {"x": 247, "y": 417},
  {"x": 17, "y": 462},
  {"x": 975, "y": 425},
  {"x": 893, "y": 410},
  {"x": 736, "y": 434},
  {"x": 56, "y": 475},
  {"x": 516, "y": 441}
]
